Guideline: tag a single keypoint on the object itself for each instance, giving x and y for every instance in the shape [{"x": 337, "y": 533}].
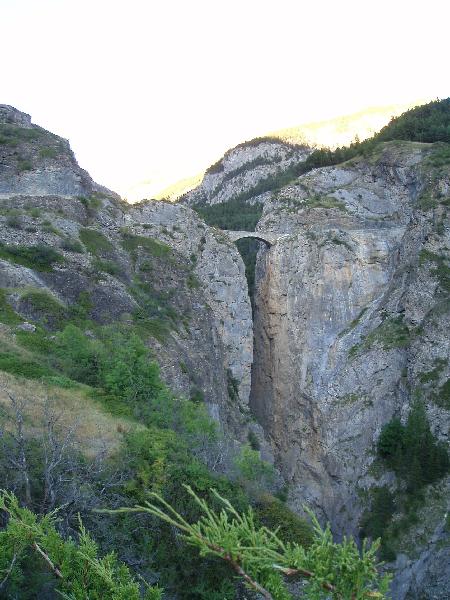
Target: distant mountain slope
[{"x": 341, "y": 131}]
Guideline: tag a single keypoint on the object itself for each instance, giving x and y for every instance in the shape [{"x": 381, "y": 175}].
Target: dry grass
[{"x": 95, "y": 431}]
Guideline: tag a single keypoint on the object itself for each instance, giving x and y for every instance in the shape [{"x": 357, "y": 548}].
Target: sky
[{"x": 156, "y": 90}]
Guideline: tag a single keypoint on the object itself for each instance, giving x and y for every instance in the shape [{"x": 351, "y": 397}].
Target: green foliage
[
  {"x": 47, "y": 308},
  {"x": 235, "y": 214},
  {"x": 13, "y": 134},
  {"x": 376, "y": 520},
  {"x": 275, "y": 515},
  {"x": 429, "y": 123},
  {"x": 418, "y": 460},
  {"x": 391, "y": 333},
  {"x": 132, "y": 243},
  {"x": 8, "y": 315},
  {"x": 95, "y": 242},
  {"x": 15, "y": 363},
  {"x": 260, "y": 557},
  {"x": 412, "y": 451},
  {"x": 442, "y": 397},
  {"x": 24, "y": 165},
  {"x": 254, "y": 470},
  {"x": 106, "y": 266},
  {"x": 91, "y": 204},
  {"x": 391, "y": 440},
  {"x": 318, "y": 201},
  {"x": 75, "y": 567},
  {"x": 48, "y": 152},
  {"x": 232, "y": 387},
  {"x": 156, "y": 315},
  {"x": 48, "y": 227},
  {"x": 39, "y": 257},
  {"x": 14, "y": 221},
  {"x": 72, "y": 245}
]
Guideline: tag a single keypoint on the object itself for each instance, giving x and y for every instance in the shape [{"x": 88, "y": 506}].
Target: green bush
[
  {"x": 412, "y": 451},
  {"x": 14, "y": 221},
  {"x": 391, "y": 441},
  {"x": 95, "y": 242},
  {"x": 72, "y": 245},
  {"x": 440, "y": 268},
  {"x": 24, "y": 165},
  {"x": 48, "y": 152},
  {"x": 49, "y": 310},
  {"x": 14, "y": 363},
  {"x": 275, "y": 515},
  {"x": 235, "y": 214},
  {"x": 131, "y": 243},
  {"x": 39, "y": 257},
  {"x": 106, "y": 266},
  {"x": 30, "y": 545},
  {"x": 8, "y": 315}
]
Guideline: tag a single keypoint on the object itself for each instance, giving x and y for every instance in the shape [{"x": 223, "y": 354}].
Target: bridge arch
[{"x": 268, "y": 238}]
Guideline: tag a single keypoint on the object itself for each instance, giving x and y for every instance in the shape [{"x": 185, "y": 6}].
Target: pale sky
[{"x": 158, "y": 90}]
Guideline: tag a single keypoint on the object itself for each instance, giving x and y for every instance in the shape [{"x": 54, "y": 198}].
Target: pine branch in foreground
[{"x": 265, "y": 563}]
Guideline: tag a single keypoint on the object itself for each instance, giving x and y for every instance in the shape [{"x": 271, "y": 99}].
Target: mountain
[{"x": 328, "y": 386}]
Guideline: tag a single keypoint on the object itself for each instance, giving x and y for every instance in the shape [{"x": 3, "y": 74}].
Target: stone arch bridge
[{"x": 270, "y": 239}]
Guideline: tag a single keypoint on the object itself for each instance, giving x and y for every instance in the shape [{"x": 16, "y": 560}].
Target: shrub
[
  {"x": 48, "y": 152},
  {"x": 8, "y": 315},
  {"x": 14, "y": 363},
  {"x": 78, "y": 356},
  {"x": 72, "y": 245},
  {"x": 39, "y": 257},
  {"x": 14, "y": 221},
  {"x": 32, "y": 543},
  {"x": 95, "y": 242},
  {"x": 275, "y": 515},
  {"x": 253, "y": 469},
  {"x": 24, "y": 165},
  {"x": 106, "y": 266},
  {"x": 131, "y": 243},
  {"x": 376, "y": 520},
  {"x": 48, "y": 308}
]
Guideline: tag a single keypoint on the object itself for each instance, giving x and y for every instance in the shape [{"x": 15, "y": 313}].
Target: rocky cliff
[
  {"x": 155, "y": 259},
  {"x": 351, "y": 309},
  {"x": 243, "y": 171}
]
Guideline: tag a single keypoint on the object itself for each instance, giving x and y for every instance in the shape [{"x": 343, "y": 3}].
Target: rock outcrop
[{"x": 243, "y": 170}]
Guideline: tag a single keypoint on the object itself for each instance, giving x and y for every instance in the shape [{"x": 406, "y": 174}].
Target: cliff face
[
  {"x": 351, "y": 314},
  {"x": 351, "y": 310},
  {"x": 156, "y": 258}
]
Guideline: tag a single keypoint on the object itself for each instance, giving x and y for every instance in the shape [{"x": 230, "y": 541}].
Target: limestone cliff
[{"x": 351, "y": 310}]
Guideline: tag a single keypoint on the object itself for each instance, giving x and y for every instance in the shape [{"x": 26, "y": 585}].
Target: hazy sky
[{"x": 157, "y": 90}]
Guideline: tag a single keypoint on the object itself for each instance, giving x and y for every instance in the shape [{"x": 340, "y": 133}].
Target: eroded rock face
[
  {"x": 36, "y": 162},
  {"x": 220, "y": 271},
  {"x": 350, "y": 313}
]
